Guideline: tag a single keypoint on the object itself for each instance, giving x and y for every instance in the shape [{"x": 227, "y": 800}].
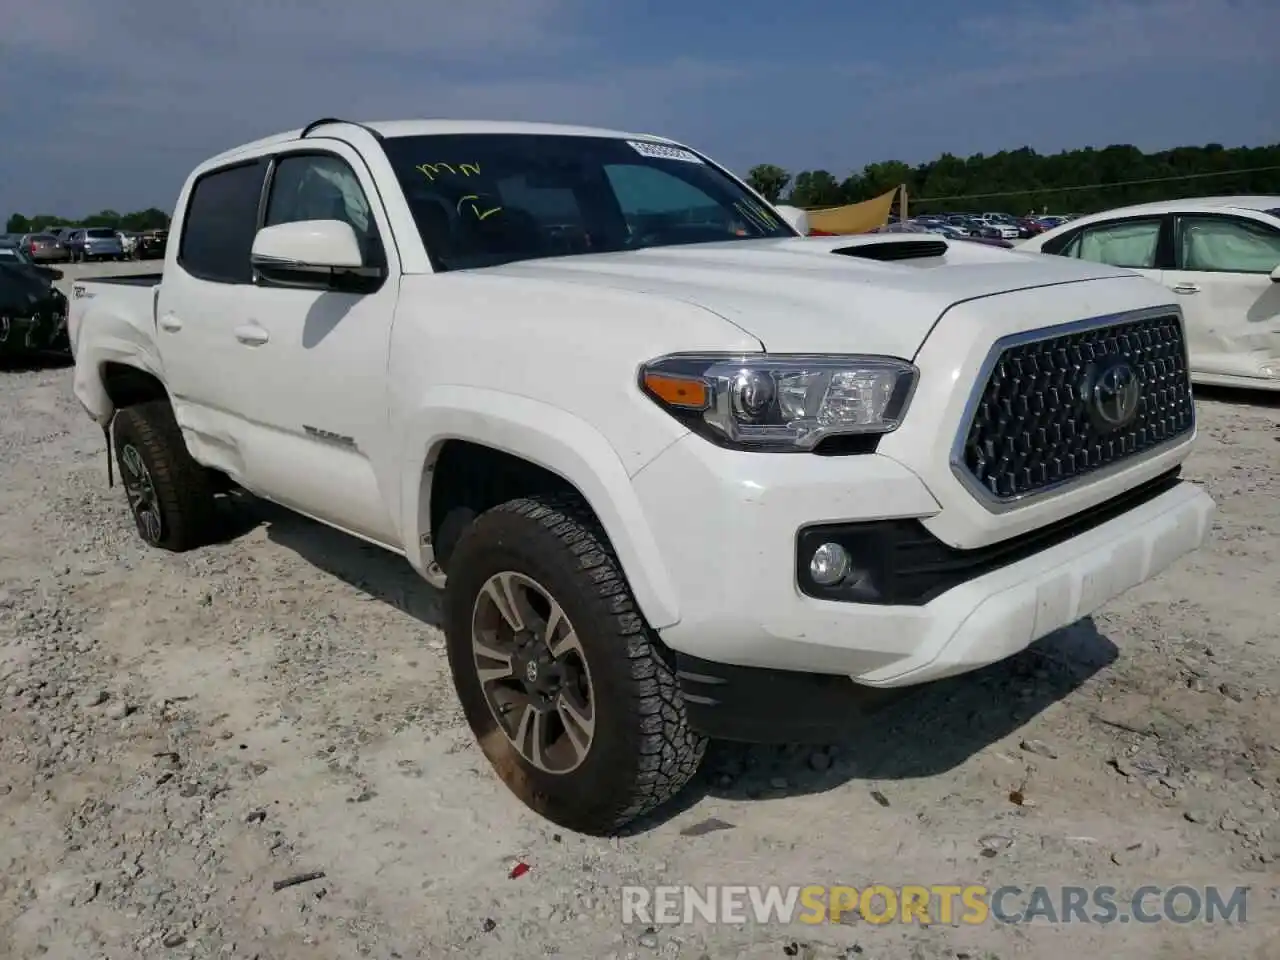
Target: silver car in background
[
  {"x": 95, "y": 243},
  {"x": 43, "y": 248}
]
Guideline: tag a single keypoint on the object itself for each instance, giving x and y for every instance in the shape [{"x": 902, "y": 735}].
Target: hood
[{"x": 865, "y": 294}]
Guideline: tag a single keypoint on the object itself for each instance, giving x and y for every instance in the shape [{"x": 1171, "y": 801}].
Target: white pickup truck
[{"x": 680, "y": 471}]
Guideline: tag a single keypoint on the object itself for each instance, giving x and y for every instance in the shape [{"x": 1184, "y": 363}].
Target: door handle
[
  {"x": 170, "y": 323},
  {"x": 1186, "y": 288},
  {"x": 252, "y": 335}
]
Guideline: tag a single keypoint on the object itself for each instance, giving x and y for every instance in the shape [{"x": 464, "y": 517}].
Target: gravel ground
[{"x": 180, "y": 733}]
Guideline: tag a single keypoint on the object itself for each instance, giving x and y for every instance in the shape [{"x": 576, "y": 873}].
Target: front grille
[{"x": 1038, "y": 422}]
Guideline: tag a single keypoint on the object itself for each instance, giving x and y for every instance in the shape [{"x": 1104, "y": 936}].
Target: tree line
[
  {"x": 136, "y": 222},
  {"x": 1016, "y": 181},
  {"x": 1073, "y": 181}
]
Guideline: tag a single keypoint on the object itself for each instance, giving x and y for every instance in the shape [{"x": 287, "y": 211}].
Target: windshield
[
  {"x": 101, "y": 233},
  {"x": 481, "y": 200}
]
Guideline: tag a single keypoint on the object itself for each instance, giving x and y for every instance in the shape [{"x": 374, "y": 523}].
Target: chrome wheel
[
  {"x": 533, "y": 672},
  {"x": 141, "y": 491}
]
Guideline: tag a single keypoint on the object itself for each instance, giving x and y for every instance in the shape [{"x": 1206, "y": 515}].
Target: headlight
[{"x": 780, "y": 401}]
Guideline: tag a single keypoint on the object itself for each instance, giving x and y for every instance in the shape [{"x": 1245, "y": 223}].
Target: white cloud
[
  {"x": 165, "y": 84},
  {"x": 1101, "y": 37},
  {"x": 130, "y": 94},
  {"x": 133, "y": 32}
]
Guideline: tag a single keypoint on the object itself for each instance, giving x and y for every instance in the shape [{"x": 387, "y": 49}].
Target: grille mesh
[{"x": 1032, "y": 427}]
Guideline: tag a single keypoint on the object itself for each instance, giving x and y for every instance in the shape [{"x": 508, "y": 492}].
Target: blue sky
[{"x": 108, "y": 103}]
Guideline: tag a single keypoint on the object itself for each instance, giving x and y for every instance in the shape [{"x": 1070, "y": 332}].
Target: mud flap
[{"x": 106, "y": 435}]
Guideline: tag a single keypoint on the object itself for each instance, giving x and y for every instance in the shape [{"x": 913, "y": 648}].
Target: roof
[
  {"x": 1197, "y": 205},
  {"x": 1185, "y": 205},
  {"x": 412, "y": 128}
]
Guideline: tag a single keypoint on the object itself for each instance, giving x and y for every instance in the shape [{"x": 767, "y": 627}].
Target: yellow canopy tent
[{"x": 856, "y": 217}]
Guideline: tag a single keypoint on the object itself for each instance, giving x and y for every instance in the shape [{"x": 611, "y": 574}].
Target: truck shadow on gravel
[
  {"x": 931, "y": 730},
  {"x": 35, "y": 363},
  {"x": 1239, "y": 396},
  {"x": 382, "y": 575}
]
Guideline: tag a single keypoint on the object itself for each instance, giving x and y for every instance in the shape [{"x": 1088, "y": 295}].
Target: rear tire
[
  {"x": 635, "y": 749},
  {"x": 170, "y": 495}
]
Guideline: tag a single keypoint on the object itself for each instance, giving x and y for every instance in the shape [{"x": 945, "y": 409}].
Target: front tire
[
  {"x": 170, "y": 495},
  {"x": 567, "y": 690}
]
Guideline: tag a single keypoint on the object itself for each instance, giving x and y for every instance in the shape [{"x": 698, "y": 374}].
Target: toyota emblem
[{"x": 1116, "y": 395}]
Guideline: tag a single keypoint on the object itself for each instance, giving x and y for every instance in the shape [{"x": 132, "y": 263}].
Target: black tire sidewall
[
  {"x": 590, "y": 797},
  {"x": 182, "y": 490},
  {"x": 126, "y": 432}
]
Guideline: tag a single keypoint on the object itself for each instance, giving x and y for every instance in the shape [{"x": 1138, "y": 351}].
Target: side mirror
[
  {"x": 310, "y": 253},
  {"x": 1275, "y": 275},
  {"x": 798, "y": 219},
  {"x": 51, "y": 273}
]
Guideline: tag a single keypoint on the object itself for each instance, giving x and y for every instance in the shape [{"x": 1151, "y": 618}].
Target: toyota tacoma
[{"x": 680, "y": 471}]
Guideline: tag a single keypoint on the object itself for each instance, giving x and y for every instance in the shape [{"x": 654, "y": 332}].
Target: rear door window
[
  {"x": 1217, "y": 244},
  {"x": 1133, "y": 244},
  {"x": 220, "y": 223}
]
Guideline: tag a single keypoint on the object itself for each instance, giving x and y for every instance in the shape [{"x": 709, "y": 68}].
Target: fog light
[{"x": 829, "y": 564}]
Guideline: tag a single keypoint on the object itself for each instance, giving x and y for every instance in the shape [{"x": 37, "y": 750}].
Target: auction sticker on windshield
[{"x": 663, "y": 151}]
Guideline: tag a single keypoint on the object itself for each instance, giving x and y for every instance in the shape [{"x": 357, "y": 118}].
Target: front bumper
[{"x": 729, "y": 538}]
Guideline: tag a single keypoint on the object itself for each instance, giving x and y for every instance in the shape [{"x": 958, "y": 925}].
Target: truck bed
[
  {"x": 125, "y": 279},
  {"x": 120, "y": 314}
]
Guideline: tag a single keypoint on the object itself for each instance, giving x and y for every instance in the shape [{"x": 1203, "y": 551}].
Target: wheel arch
[
  {"x": 532, "y": 447},
  {"x": 126, "y": 385},
  {"x": 116, "y": 362}
]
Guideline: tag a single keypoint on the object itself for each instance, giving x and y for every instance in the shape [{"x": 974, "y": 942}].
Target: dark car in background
[
  {"x": 33, "y": 312},
  {"x": 11, "y": 253},
  {"x": 955, "y": 235},
  {"x": 968, "y": 225},
  {"x": 939, "y": 224},
  {"x": 11, "y": 250},
  {"x": 1029, "y": 227},
  {"x": 151, "y": 244}
]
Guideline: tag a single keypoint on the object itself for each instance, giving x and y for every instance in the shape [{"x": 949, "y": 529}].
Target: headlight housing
[{"x": 781, "y": 402}]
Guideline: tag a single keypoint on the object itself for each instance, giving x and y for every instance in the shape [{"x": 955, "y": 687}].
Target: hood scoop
[{"x": 890, "y": 250}]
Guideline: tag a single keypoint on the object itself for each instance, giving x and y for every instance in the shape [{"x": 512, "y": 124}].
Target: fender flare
[
  {"x": 552, "y": 439},
  {"x": 113, "y": 340}
]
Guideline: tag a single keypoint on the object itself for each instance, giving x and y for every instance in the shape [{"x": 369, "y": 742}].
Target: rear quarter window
[{"x": 220, "y": 222}]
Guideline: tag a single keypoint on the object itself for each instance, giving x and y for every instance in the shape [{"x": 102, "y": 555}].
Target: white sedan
[{"x": 1220, "y": 255}]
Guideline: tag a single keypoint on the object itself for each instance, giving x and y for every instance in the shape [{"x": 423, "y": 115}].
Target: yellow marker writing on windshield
[
  {"x": 475, "y": 209},
  {"x": 430, "y": 170}
]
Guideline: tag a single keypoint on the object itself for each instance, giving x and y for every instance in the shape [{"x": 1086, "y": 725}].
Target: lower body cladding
[{"x": 766, "y": 652}]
